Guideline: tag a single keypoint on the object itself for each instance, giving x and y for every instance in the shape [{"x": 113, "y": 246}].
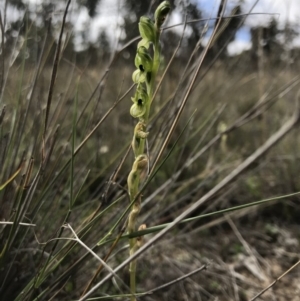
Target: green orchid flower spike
[{"x": 144, "y": 76}]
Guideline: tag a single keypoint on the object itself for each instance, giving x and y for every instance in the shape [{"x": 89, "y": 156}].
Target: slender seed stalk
[{"x": 144, "y": 77}]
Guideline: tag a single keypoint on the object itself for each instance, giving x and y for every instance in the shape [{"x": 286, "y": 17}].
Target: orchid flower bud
[
  {"x": 138, "y": 109},
  {"x": 138, "y": 76},
  {"x": 147, "y": 29},
  {"x": 161, "y": 13},
  {"x": 143, "y": 60}
]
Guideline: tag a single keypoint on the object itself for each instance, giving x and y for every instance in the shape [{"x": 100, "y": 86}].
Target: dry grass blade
[
  {"x": 21, "y": 224},
  {"x": 275, "y": 281},
  {"x": 54, "y": 69},
  {"x": 2, "y": 64},
  {"x": 94, "y": 254},
  {"x": 202, "y": 268},
  {"x": 100, "y": 268}
]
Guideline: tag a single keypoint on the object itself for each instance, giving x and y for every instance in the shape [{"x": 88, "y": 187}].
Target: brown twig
[
  {"x": 104, "y": 261},
  {"x": 202, "y": 268},
  {"x": 276, "y": 280}
]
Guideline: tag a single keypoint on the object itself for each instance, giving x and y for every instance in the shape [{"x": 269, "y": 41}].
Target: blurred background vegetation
[
  {"x": 90, "y": 92},
  {"x": 272, "y": 41}
]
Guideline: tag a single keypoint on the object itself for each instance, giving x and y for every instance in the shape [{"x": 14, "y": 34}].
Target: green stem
[{"x": 132, "y": 269}]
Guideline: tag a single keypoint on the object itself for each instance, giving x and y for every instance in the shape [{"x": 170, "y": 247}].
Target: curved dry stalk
[{"x": 103, "y": 263}]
